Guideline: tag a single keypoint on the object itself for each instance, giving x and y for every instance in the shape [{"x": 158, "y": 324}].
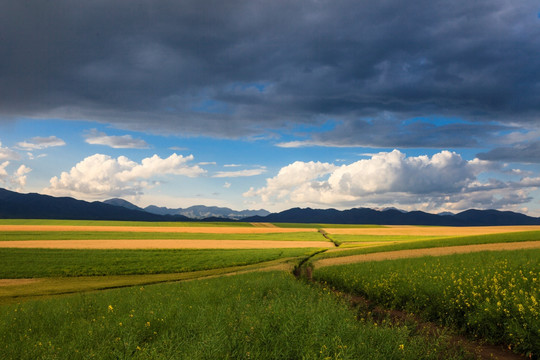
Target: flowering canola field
[{"x": 492, "y": 295}]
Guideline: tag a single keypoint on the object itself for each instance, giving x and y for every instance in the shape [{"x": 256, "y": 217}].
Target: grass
[
  {"x": 29, "y": 263},
  {"x": 116, "y": 235},
  {"x": 438, "y": 242},
  {"x": 491, "y": 295},
  {"x": 122, "y": 223},
  {"x": 41, "y": 288},
  {"x": 252, "y": 316}
]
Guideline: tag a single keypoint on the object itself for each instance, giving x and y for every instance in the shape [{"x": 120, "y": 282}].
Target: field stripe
[
  {"x": 431, "y": 230},
  {"x": 163, "y": 244},
  {"x": 401, "y": 254},
  {"x": 155, "y": 229}
]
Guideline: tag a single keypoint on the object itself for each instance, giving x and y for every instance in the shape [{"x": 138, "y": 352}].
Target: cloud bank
[
  {"x": 238, "y": 68},
  {"x": 525, "y": 153},
  {"x": 444, "y": 181}
]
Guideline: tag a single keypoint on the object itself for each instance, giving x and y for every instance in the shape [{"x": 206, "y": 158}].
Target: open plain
[{"x": 113, "y": 275}]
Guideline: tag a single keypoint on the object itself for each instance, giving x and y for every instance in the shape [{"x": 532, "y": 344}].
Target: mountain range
[
  {"x": 193, "y": 212},
  {"x": 15, "y": 205}
]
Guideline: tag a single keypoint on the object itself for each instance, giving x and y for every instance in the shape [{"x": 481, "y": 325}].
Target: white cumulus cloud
[
  {"x": 19, "y": 178},
  {"x": 3, "y": 171},
  {"x": 15, "y": 181},
  {"x": 290, "y": 178},
  {"x": 394, "y": 172},
  {"x": 440, "y": 182},
  {"x": 100, "y": 176}
]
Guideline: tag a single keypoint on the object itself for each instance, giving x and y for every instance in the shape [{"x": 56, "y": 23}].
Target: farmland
[
  {"x": 107, "y": 290},
  {"x": 491, "y": 295}
]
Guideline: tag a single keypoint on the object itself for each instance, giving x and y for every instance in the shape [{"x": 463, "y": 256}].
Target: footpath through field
[{"x": 400, "y": 254}]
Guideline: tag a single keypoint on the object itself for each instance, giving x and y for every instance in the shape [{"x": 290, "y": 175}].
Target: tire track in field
[
  {"x": 448, "y": 250},
  {"x": 264, "y": 225}
]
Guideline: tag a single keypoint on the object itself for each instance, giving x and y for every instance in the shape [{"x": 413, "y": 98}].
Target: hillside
[
  {"x": 396, "y": 217},
  {"x": 15, "y": 205}
]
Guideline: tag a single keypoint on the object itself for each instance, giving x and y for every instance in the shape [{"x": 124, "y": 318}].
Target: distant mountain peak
[
  {"x": 122, "y": 203},
  {"x": 391, "y": 208},
  {"x": 193, "y": 212},
  {"x": 202, "y": 212}
]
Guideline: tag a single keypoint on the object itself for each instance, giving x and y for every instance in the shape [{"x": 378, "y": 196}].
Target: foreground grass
[
  {"x": 252, "y": 316},
  {"x": 122, "y": 223},
  {"x": 118, "y": 235},
  {"x": 437, "y": 242},
  {"x": 29, "y": 263},
  {"x": 492, "y": 295}
]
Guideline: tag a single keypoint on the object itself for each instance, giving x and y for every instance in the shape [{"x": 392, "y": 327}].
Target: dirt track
[
  {"x": 431, "y": 230},
  {"x": 163, "y": 244},
  {"x": 401, "y": 254},
  {"x": 11, "y": 282},
  {"x": 157, "y": 229}
]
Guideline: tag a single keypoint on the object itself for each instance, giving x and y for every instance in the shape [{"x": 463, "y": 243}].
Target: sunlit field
[
  {"x": 259, "y": 316},
  {"x": 243, "y": 302},
  {"x": 31, "y": 263},
  {"x": 491, "y": 295}
]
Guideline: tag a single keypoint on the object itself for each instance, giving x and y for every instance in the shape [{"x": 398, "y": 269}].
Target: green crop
[{"x": 492, "y": 295}]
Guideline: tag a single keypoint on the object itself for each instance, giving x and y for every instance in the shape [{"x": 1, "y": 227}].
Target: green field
[
  {"x": 437, "y": 242},
  {"x": 491, "y": 295},
  {"x": 117, "y": 235},
  {"x": 252, "y": 316},
  {"x": 29, "y": 263}
]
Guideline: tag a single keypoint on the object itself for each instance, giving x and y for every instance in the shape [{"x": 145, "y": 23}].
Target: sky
[{"x": 419, "y": 105}]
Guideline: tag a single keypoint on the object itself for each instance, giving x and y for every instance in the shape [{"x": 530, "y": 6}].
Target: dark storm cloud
[
  {"x": 391, "y": 132},
  {"x": 230, "y": 68},
  {"x": 522, "y": 153}
]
